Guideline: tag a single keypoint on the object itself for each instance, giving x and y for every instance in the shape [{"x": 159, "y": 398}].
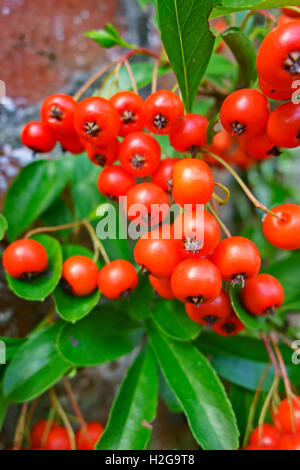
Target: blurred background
[{"x": 43, "y": 51}]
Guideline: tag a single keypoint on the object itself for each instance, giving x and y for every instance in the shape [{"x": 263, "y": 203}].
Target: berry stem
[
  {"x": 252, "y": 409},
  {"x": 57, "y": 406},
  {"x": 265, "y": 13},
  {"x": 98, "y": 247},
  {"x": 270, "y": 351},
  {"x": 131, "y": 76},
  {"x": 244, "y": 187},
  {"x": 20, "y": 427},
  {"x": 222, "y": 225},
  {"x": 266, "y": 405},
  {"x": 155, "y": 77},
  {"x": 74, "y": 403},
  {"x": 227, "y": 194},
  {"x": 55, "y": 228}
]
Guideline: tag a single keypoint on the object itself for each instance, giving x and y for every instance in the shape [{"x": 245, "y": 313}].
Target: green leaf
[
  {"x": 11, "y": 346},
  {"x": 221, "y": 71},
  {"x": 71, "y": 307},
  {"x": 242, "y": 360},
  {"x": 168, "y": 395},
  {"x": 43, "y": 285},
  {"x": 108, "y": 37},
  {"x": 287, "y": 271},
  {"x": 32, "y": 192},
  {"x": 251, "y": 321},
  {"x": 4, "y": 403},
  {"x": 58, "y": 214},
  {"x": 141, "y": 301},
  {"x": 198, "y": 390},
  {"x": 232, "y": 6},
  {"x": 84, "y": 187},
  {"x": 244, "y": 53},
  {"x": 187, "y": 40},
  {"x": 170, "y": 317},
  {"x": 35, "y": 367},
  {"x": 210, "y": 131},
  {"x": 3, "y": 226},
  {"x": 105, "y": 335},
  {"x": 134, "y": 408}
]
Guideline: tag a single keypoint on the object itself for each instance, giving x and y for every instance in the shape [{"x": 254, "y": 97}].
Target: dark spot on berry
[
  {"x": 195, "y": 300},
  {"x": 210, "y": 319},
  {"x": 100, "y": 159},
  {"x": 275, "y": 151},
  {"x": 228, "y": 327}
]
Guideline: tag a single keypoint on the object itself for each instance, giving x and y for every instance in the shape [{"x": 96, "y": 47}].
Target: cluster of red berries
[
  {"x": 49, "y": 435},
  {"x": 284, "y": 434}
]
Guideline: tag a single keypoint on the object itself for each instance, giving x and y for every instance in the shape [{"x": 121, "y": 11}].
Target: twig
[
  {"x": 155, "y": 77},
  {"x": 20, "y": 427},
  {"x": 131, "y": 76},
  {"x": 64, "y": 418},
  {"x": 98, "y": 247},
  {"x": 74, "y": 403},
  {"x": 222, "y": 225}
]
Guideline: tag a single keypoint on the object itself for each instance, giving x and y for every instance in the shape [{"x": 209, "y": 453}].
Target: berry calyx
[
  {"x": 140, "y": 154},
  {"x": 103, "y": 155},
  {"x": 162, "y": 112},
  {"x": 261, "y": 147},
  {"x": 237, "y": 258},
  {"x": 79, "y": 275},
  {"x": 262, "y": 295},
  {"x": 196, "y": 281},
  {"x": 210, "y": 313},
  {"x": 115, "y": 182},
  {"x": 25, "y": 259},
  {"x": 117, "y": 279},
  {"x": 245, "y": 112},
  {"x": 193, "y": 182},
  {"x": 283, "y": 233},
  {"x": 38, "y": 137},
  {"x": 230, "y": 326},
  {"x": 130, "y": 108}
]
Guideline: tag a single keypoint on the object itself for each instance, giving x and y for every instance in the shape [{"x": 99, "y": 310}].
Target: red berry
[
  {"x": 79, "y": 275},
  {"x": 270, "y": 92},
  {"x": 147, "y": 203},
  {"x": 162, "y": 112},
  {"x": 57, "y": 112},
  {"x": 38, "y": 137},
  {"x": 72, "y": 144},
  {"x": 130, "y": 108},
  {"x": 245, "y": 112},
  {"x": 25, "y": 259},
  {"x": 96, "y": 121},
  {"x": 193, "y": 182},
  {"x": 223, "y": 144},
  {"x": 190, "y": 134},
  {"x": 114, "y": 182},
  {"x": 285, "y": 233},
  {"x": 58, "y": 439},
  {"x": 140, "y": 154},
  {"x": 291, "y": 13},
  {"x": 278, "y": 58},
  {"x": 196, "y": 281},
  {"x": 284, "y": 124},
  {"x": 230, "y": 326},
  {"x": 262, "y": 294},
  {"x": 210, "y": 313},
  {"x": 284, "y": 415},
  {"x": 162, "y": 286},
  {"x": 260, "y": 147},
  {"x": 86, "y": 438},
  {"x": 163, "y": 175},
  {"x": 117, "y": 279},
  {"x": 289, "y": 442},
  {"x": 237, "y": 259},
  {"x": 257, "y": 447},
  {"x": 156, "y": 254},
  {"x": 266, "y": 435},
  {"x": 103, "y": 155},
  {"x": 196, "y": 233},
  {"x": 39, "y": 433}
]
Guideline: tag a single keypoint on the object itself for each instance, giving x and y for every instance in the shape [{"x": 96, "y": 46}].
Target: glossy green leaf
[
  {"x": 210, "y": 131},
  {"x": 251, "y": 321},
  {"x": 3, "y": 226},
  {"x": 134, "y": 408},
  {"x": 105, "y": 335},
  {"x": 35, "y": 367},
  {"x": 187, "y": 40},
  {"x": 84, "y": 186},
  {"x": 170, "y": 317},
  {"x": 168, "y": 395},
  {"x": 43, "y": 285},
  {"x": 242, "y": 360},
  {"x": 71, "y": 307},
  {"x": 221, "y": 71},
  {"x": 58, "y": 213},
  {"x": 198, "y": 390},
  {"x": 244, "y": 53},
  {"x": 11, "y": 346},
  {"x": 32, "y": 192},
  {"x": 140, "y": 302},
  {"x": 232, "y": 6},
  {"x": 4, "y": 403},
  {"x": 108, "y": 37}
]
